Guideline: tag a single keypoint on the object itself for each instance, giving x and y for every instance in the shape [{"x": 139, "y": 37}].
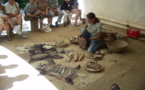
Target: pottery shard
[{"x": 39, "y": 56}]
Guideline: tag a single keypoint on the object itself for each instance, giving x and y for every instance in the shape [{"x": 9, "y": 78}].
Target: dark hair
[{"x": 92, "y": 16}]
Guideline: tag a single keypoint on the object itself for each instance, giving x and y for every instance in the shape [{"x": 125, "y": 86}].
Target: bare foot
[
  {"x": 76, "y": 24},
  {"x": 41, "y": 30}
]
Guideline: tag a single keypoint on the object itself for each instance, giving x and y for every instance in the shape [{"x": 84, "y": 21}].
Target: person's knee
[
  {"x": 83, "y": 30},
  {"x": 19, "y": 15},
  {"x": 28, "y": 14},
  {"x": 51, "y": 13},
  {"x": 61, "y": 13}
]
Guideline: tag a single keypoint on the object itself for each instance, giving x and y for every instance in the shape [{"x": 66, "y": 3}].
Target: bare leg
[
  {"x": 36, "y": 13},
  {"x": 41, "y": 21},
  {"x": 2, "y": 22},
  {"x": 29, "y": 14},
  {"x": 8, "y": 30},
  {"x": 1, "y": 28},
  {"x": 80, "y": 11},
  {"x": 19, "y": 20},
  {"x": 50, "y": 20},
  {"x": 8, "y": 19},
  {"x": 77, "y": 15}
]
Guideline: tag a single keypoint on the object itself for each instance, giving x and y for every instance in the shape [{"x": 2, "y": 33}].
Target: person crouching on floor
[{"x": 92, "y": 36}]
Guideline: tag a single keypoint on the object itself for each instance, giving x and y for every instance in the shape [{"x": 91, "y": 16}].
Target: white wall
[{"x": 130, "y": 12}]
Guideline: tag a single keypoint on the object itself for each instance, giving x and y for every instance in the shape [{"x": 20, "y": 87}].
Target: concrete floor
[{"x": 128, "y": 72}]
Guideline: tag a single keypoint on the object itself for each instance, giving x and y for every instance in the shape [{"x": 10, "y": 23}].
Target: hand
[{"x": 55, "y": 10}]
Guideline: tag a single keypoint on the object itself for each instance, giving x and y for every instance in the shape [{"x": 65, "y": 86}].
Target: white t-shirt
[{"x": 11, "y": 8}]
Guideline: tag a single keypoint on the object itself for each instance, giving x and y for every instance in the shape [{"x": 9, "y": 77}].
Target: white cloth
[{"x": 65, "y": 15}]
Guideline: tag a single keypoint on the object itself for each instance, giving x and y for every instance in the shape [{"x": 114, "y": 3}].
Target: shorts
[{"x": 31, "y": 12}]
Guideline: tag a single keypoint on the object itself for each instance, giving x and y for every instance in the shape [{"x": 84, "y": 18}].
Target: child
[
  {"x": 30, "y": 9},
  {"x": 4, "y": 17}
]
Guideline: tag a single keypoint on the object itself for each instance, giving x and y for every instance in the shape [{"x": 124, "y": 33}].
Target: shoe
[
  {"x": 9, "y": 39},
  {"x": 1, "y": 40},
  {"x": 23, "y": 36},
  {"x": 19, "y": 31},
  {"x": 115, "y": 87},
  {"x": 56, "y": 24},
  {"x": 52, "y": 26},
  {"x": 64, "y": 24}
]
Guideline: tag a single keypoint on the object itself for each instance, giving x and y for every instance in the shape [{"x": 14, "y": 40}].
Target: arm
[
  {"x": 46, "y": 9},
  {"x": 25, "y": 9},
  {"x": 54, "y": 9},
  {"x": 86, "y": 25},
  {"x": 97, "y": 37},
  {"x": 99, "y": 33}
]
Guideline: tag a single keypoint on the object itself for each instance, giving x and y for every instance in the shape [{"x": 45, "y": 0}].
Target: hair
[{"x": 92, "y": 16}]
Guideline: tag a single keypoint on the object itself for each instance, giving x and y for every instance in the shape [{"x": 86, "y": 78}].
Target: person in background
[
  {"x": 3, "y": 16},
  {"x": 52, "y": 6},
  {"x": 12, "y": 10},
  {"x": 4, "y": 24},
  {"x": 94, "y": 35},
  {"x": 31, "y": 9},
  {"x": 65, "y": 7},
  {"x": 42, "y": 7},
  {"x": 75, "y": 10}
]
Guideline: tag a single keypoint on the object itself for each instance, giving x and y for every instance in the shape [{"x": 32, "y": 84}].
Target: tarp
[{"x": 130, "y": 12}]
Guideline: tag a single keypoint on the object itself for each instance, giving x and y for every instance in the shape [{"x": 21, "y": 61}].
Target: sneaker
[
  {"x": 19, "y": 31},
  {"x": 23, "y": 36},
  {"x": 56, "y": 24},
  {"x": 52, "y": 26},
  {"x": 1, "y": 40}
]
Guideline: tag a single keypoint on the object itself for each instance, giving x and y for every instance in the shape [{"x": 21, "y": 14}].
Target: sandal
[{"x": 115, "y": 87}]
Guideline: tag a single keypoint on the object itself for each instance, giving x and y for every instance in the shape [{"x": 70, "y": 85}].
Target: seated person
[
  {"x": 42, "y": 7},
  {"x": 75, "y": 10},
  {"x": 93, "y": 36},
  {"x": 65, "y": 7},
  {"x": 3, "y": 16},
  {"x": 12, "y": 10},
  {"x": 31, "y": 9},
  {"x": 5, "y": 22},
  {"x": 52, "y": 6}
]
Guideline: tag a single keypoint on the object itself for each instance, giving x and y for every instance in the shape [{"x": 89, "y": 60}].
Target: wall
[{"x": 124, "y": 12}]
